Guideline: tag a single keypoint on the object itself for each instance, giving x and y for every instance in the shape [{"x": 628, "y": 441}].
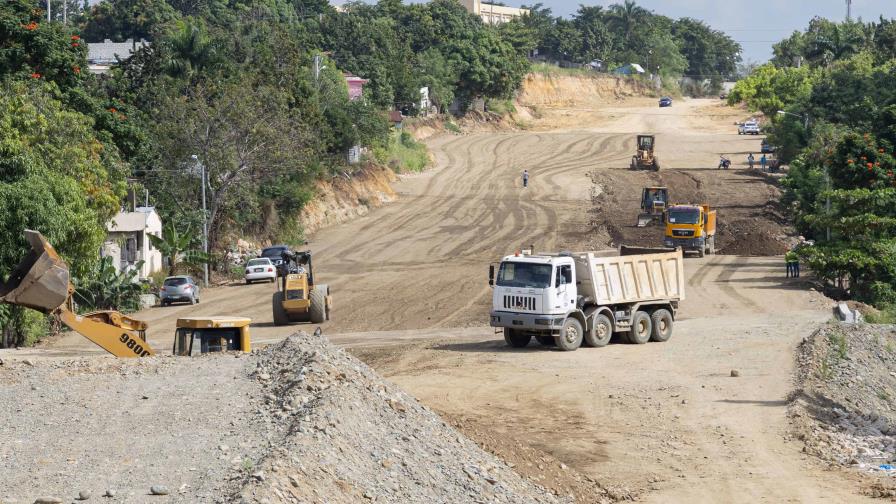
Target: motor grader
[
  {"x": 41, "y": 281},
  {"x": 298, "y": 299},
  {"x": 645, "y": 159}
]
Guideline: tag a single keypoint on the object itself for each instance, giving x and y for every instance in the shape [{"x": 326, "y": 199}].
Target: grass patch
[
  {"x": 500, "y": 107},
  {"x": 550, "y": 70},
  {"x": 838, "y": 345},
  {"x": 886, "y": 315},
  {"x": 403, "y": 153},
  {"x": 450, "y": 126}
]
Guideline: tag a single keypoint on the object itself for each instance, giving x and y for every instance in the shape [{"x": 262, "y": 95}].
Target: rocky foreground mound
[
  {"x": 845, "y": 407},
  {"x": 346, "y": 435},
  {"x": 297, "y": 422}
]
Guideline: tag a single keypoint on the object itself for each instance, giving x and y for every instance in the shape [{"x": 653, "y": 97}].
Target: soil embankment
[
  {"x": 343, "y": 198},
  {"x": 845, "y": 408}
]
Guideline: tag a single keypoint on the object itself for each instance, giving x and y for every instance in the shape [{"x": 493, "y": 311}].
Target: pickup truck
[{"x": 748, "y": 128}]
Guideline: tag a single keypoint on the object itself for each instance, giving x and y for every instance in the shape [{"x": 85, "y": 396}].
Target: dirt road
[{"x": 662, "y": 421}]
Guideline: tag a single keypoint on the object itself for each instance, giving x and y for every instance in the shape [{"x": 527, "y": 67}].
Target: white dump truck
[{"x": 567, "y": 299}]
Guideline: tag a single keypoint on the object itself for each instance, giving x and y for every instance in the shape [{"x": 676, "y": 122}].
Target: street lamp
[
  {"x": 204, "y": 221},
  {"x": 827, "y": 176}
]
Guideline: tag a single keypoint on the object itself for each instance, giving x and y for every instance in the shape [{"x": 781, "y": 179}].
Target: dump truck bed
[{"x": 631, "y": 275}]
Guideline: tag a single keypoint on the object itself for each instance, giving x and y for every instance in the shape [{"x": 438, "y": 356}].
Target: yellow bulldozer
[
  {"x": 645, "y": 159},
  {"x": 41, "y": 281},
  {"x": 298, "y": 299}
]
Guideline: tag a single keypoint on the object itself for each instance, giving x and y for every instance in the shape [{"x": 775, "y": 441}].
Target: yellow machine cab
[{"x": 200, "y": 335}]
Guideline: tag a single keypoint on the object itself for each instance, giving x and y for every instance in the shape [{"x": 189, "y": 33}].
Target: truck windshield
[
  {"x": 520, "y": 274},
  {"x": 684, "y": 216}
]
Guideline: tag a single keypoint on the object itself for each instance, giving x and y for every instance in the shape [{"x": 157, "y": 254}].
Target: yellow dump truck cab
[
  {"x": 691, "y": 228},
  {"x": 195, "y": 336}
]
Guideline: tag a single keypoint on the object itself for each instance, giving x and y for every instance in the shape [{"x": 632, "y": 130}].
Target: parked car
[
  {"x": 767, "y": 148},
  {"x": 665, "y": 101},
  {"x": 179, "y": 289},
  {"x": 748, "y": 128},
  {"x": 260, "y": 269}
]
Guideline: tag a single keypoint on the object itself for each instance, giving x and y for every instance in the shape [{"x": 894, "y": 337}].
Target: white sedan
[{"x": 260, "y": 269}]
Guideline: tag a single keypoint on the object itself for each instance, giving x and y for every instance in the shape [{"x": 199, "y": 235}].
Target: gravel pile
[
  {"x": 346, "y": 435},
  {"x": 845, "y": 408}
]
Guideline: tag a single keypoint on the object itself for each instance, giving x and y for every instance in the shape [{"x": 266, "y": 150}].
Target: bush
[{"x": 403, "y": 153}]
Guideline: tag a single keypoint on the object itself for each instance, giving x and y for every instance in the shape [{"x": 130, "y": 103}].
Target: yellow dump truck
[{"x": 691, "y": 228}]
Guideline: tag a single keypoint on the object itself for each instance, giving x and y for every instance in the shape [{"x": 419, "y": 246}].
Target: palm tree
[
  {"x": 188, "y": 50},
  {"x": 172, "y": 245},
  {"x": 625, "y": 17}
]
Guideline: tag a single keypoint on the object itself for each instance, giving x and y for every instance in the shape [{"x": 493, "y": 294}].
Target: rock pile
[
  {"x": 346, "y": 435},
  {"x": 845, "y": 409}
]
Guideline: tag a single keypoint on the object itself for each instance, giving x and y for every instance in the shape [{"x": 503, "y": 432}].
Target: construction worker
[
  {"x": 525, "y": 178},
  {"x": 750, "y": 160},
  {"x": 762, "y": 162},
  {"x": 793, "y": 263}
]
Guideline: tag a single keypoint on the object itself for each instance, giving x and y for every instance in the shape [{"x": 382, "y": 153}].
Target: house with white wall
[{"x": 128, "y": 243}]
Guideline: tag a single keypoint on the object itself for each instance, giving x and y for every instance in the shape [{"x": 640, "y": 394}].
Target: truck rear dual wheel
[
  {"x": 661, "y": 320},
  {"x": 515, "y": 339},
  {"x": 600, "y": 335},
  {"x": 641, "y": 329},
  {"x": 571, "y": 335}
]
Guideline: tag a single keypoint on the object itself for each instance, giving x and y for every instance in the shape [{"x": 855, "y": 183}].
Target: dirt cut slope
[{"x": 845, "y": 409}]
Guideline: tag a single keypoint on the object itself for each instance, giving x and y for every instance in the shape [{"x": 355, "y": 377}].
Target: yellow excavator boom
[{"x": 41, "y": 281}]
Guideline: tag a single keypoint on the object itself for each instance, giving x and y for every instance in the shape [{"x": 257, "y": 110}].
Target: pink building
[{"x": 355, "y": 86}]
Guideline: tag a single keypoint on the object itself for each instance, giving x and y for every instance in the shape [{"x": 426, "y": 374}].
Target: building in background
[
  {"x": 355, "y": 85},
  {"x": 101, "y": 56},
  {"x": 491, "y": 13},
  {"x": 127, "y": 241}
]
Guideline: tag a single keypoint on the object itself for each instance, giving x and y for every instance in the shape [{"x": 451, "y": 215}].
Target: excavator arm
[{"x": 41, "y": 281}]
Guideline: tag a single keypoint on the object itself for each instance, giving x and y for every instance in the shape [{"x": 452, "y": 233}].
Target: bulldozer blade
[{"x": 41, "y": 279}]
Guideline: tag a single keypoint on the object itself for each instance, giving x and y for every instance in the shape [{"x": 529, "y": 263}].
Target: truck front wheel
[
  {"x": 570, "y": 335},
  {"x": 515, "y": 339},
  {"x": 641, "y": 328},
  {"x": 602, "y": 332}
]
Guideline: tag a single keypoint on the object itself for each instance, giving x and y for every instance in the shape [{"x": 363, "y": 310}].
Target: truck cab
[
  {"x": 534, "y": 292},
  {"x": 691, "y": 228}
]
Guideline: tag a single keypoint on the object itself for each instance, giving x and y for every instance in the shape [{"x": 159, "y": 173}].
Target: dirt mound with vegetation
[{"x": 845, "y": 408}]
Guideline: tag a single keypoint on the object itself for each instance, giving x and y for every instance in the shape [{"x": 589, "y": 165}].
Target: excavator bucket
[
  {"x": 644, "y": 220},
  {"x": 40, "y": 281}
]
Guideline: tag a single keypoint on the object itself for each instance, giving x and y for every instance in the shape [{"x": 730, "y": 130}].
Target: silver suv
[{"x": 179, "y": 288}]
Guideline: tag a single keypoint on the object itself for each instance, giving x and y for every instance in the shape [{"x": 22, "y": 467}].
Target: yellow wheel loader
[
  {"x": 653, "y": 204},
  {"x": 41, "y": 282},
  {"x": 298, "y": 299},
  {"x": 645, "y": 159}
]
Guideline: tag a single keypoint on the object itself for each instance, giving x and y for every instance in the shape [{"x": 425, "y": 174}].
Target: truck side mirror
[{"x": 491, "y": 274}]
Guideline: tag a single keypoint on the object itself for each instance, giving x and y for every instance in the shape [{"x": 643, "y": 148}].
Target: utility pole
[
  {"x": 48, "y": 11},
  {"x": 64, "y": 12},
  {"x": 204, "y": 221},
  {"x": 849, "y": 10}
]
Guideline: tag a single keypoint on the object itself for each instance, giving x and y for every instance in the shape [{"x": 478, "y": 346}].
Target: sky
[{"x": 755, "y": 24}]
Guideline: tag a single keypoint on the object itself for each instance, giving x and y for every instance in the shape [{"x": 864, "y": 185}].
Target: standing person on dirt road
[
  {"x": 762, "y": 162},
  {"x": 525, "y": 179},
  {"x": 750, "y": 160},
  {"x": 793, "y": 263}
]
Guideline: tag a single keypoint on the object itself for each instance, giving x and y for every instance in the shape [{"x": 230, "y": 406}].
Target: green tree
[{"x": 119, "y": 20}]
